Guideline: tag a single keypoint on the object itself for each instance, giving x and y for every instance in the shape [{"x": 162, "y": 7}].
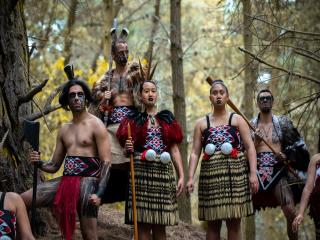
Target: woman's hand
[
  {"x": 296, "y": 222},
  {"x": 190, "y": 186},
  {"x": 254, "y": 184},
  {"x": 180, "y": 186},
  {"x": 129, "y": 146}
]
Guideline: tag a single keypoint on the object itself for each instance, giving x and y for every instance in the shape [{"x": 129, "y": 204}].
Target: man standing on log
[
  {"x": 83, "y": 145},
  {"x": 273, "y": 174}
]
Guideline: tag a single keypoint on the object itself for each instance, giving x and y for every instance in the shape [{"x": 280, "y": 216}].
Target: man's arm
[
  {"x": 57, "y": 158},
  {"x": 103, "y": 147}
]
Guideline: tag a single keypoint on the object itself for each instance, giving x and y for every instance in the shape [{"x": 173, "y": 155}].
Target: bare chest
[{"x": 78, "y": 136}]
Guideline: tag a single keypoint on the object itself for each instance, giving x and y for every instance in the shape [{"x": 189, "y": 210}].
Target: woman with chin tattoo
[
  {"x": 154, "y": 143},
  {"x": 225, "y": 180}
]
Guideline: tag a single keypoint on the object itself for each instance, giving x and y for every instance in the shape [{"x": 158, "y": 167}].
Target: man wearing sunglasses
[
  {"x": 273, "y": 175},
  {"x": 83, "y": 145}
]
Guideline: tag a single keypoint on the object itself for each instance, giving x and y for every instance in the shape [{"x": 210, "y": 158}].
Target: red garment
[
  {"x": 65, "y": 204},
  {"x": 170, "y": 129}
]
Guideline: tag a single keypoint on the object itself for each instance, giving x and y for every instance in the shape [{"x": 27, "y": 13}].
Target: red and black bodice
[
  {"x": 157, "y": 137},
  {"x": 219, "y": 135},
  {"x": 7, "y": 221},
  {"x": 154, "y": 140}
]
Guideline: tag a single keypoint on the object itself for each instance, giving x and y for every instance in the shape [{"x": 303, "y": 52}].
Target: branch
[
  {"x": 37, "y": 115},
  {"x": 307, "y": 55},
  {"x": 280, "y": 68},
  {"x": 28, "y": 97},
  {"x": 3, "y": 139},
  {"x": 129, "y": 16},
  {"x": 301, "y": 104},
  {"x": 300, "y": 98},
  {"x": 286, "y": 29},
  {"x": 52, "y": 96},
  {"x": 261, "y": 51}
]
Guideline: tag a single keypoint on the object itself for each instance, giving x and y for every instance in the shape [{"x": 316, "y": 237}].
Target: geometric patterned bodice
[{"x": 154, "y": 140}]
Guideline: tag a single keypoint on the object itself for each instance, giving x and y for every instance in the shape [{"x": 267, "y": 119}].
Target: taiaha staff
[
  {"x": 231, "y": 104},
  {"x": 113, "y": 33},
  {"x": 133, "y": 189}
]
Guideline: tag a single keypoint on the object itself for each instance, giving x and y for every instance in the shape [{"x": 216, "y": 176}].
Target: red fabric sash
[{"x": 65, "y": 204}]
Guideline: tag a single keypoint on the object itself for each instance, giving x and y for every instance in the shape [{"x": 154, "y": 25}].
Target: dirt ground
[{"x": 111, "y": 226}]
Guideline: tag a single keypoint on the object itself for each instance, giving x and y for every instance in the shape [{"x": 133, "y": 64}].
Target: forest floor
[{"x": 111, "y": 226}]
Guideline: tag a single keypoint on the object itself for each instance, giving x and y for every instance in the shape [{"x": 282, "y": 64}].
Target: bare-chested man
[
  {"x": 112, "y": 106},
  {"x": 272, "y": 173},
  {"x": 84, "y": 146}
]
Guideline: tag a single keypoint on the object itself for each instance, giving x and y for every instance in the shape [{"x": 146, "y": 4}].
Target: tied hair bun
[{"x": 212, "y": 81}]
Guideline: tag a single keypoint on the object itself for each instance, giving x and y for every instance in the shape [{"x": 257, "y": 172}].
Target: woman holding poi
[
  {"x": 155, "y": 138},
  {"x": 225, "y": 180}
]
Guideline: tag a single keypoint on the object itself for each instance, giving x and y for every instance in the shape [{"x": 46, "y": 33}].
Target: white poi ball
[
  {"x": 226, "y": 148},
  {"x": 5, "y": 238},
  {"x": 151, "y": 155},
  {"x": 210, "y": 149},
  {"x": 165, "y": 157}
]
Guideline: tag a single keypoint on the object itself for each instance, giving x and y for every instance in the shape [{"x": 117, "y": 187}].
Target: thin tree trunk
[
  {"x": 179, "y": 95},
  {"x": 96, "y": 56},
  {"x": 247, "y": 104},
  {"x": 68, "y": 37},
  {"x": 112, "y": 8},
  {"x": 154, "y": 28}
]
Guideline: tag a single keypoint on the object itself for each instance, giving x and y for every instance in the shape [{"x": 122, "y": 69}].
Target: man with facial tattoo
[
  {"x": 272, "y": 171},
  {"x": 83, "y": 145},
  {"x": 112, "y": 104}
]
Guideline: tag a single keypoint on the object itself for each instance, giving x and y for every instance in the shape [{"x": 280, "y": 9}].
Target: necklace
[
  {"x": 152, "y": 120},
  {"x": 266, "y": 133}
]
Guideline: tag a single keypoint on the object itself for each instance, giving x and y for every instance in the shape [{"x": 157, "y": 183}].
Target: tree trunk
[
  {"x": 179, "y": 95},
  {"x": 15, "y": 172},
  {"x": 68, "y": 39},
  {"x": 154, "y": 28},
  {"x": 249, "y": 86},
  {"x": 112, "y": 8}
]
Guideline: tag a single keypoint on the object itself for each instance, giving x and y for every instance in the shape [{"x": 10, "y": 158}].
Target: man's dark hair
[
  {"x": 262, "y": 91},
  {"x": 114, "y": 45},
  {"x": 64, "y": 96}
]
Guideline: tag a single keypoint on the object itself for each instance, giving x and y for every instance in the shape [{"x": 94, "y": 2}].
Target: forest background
[{"x": 249, "y": 44}]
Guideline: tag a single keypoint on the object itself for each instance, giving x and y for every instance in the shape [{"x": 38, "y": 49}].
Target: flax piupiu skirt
[
  {"x": 155, "y": 194},
  {"x": 224, "y": 191}
]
